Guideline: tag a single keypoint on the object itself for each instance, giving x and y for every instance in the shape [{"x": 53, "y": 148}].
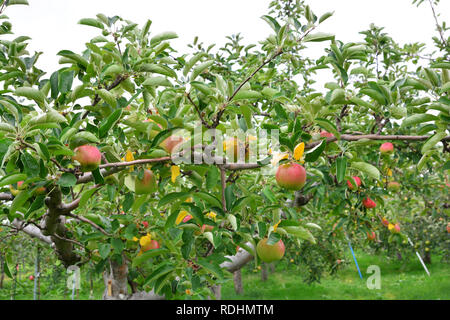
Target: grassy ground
[
  {"x": 404, "y": 280},
  {"x": 399, "y": 281}
]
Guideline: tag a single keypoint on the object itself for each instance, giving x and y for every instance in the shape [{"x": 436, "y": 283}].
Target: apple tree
[{"x": 117, "y": 158}]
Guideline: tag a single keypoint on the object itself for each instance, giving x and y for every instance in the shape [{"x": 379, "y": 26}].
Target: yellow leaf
[
  {"x": 211, "y": 215},
  {"x": 129, "y": 157},
  {"x": 175, "y": 172},
  {"x": 181, "y": 216},
  {"x": 277, "y": 157},
  {"x": 391, "y": 226},
  {"x": 145, "y": 240},
  {"x": 298, "y": 151},
  {"x": 189, "y": 199},
  {"x": 275, "y": 227},
  {"x": 389, "y": 172},
  {"x": 135, "y": 239}
]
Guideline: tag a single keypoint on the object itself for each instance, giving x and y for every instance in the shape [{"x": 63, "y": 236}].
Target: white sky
[{"x": 52, "y": 24}]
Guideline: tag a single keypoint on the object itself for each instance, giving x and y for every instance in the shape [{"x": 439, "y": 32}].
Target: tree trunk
[
  {"x": 272, "y": 267},
  {"x": 427, "y": 257},
  {"x": 116, "y": 281},
  {"x": 217, "y": 292},
  {"x": 264, "y": 273},
  {"x": 237, "y": 278},
  {"x": 116, "y": 284}
]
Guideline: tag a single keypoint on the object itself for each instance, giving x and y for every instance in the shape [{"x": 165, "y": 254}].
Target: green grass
[
  {"x": 400, "y": 280},
  {"x": 403, "y": 280}
]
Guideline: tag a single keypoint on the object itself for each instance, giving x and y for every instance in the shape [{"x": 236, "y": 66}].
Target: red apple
[
  {"x": 326, "y": 134},
  {"x": 31, "y": 278},
  {"x": 385, "y": 222},
  {"x": 291, "y": 176},
  {"x": 393, "y": 186},
  {"x": 448, "y": 228},
  {"x": 371, "y": 235},
  {"x": 171, "y": 143},
  {"x": 387, "y": 148},
  {"x": 355, "y": 184},
  {"x": 269, "y": 253},
  {"x": 88, "y": 156},
  {"x": 145, "y": 224},
  {"x": 147, "y": 184},
  {"x": 369, "y": 203},
  {"x": 396, "y": 228},
  {"x": 151, "y": 245}
]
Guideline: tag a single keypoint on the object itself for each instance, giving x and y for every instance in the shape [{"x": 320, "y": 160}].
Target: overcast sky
[{"x": 52, "y": 24}]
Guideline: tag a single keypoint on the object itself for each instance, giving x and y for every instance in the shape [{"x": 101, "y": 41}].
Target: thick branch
[
  {"x": 32, "y": 231},
  {"x": 6, "y": 196},
  {"x": 240, "y": 259}
]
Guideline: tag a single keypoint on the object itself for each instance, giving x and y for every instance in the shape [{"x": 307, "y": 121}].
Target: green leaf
[
  {"x": 17, "y": 2},
  {"x": 212, "y": 177},
  {"x": 341, "y": 168},
  {"x": 82, "y": 138},
  {"x": 118, "y": 245},
  {"x": 157, "y": 81},
  {"x": 31, "y": 166},
  {"x": 51, "y": 116},
  {"x": 202, "y": 87},
  {"x": 92, "y": 23},
  {"x": 423, "y": 161},
  {"x": 273, "y": 238},
  {"x": 314, "y": 153},
  {"x": 104, "y": 249},
  {"x": 13, "y": 178},
  {"x": 67, "y": 179},
  {"x": 107, "y": 96},
  {"x": 366, "y": 168},
  {"x": 161, "y": 271},
  {"x": 188, "y": 66},
  {"x": 374, "y": 94},
  {"x": 85, "y": 196},
  {"x": 431, "y": 142},
  {"x": 247, "y": 94},
  {"x": 109, "y": 123},
  {"x": 232, "y": 220},
  {"x": 213, "y": 201},
  {"x": 19, "y": 201},
  {"x": 200, "y": 68},
  {"x": 317, "y": 37},
  {"x": 269, "y": 195},
  {"x": 272, "y": 23},
  {"x": 162, "y": 37},
  {"x": 300, "y": 232},
  {"x": 154, "y": 68},
  {"x": 328, "y": 126},
  {"x": 6, "y": 127},
  {"x": 174, "y": 196},
  {"x": 338, "y": 97},
  {"x": 325, "y": 16},
  {"x": 212, "y": 268},
  {"x": 418, "y": 118},
  {"x": 31, "y": 94},
  {"x": 139, "y": 260}
]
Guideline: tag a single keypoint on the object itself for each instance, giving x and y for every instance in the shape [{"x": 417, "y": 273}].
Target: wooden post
[
  {"x": 237, "y": 279},
  {"x": 264, "y": 273}
]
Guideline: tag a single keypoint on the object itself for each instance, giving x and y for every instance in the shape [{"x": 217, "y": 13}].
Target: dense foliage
[{"x": 129, "y": 91}]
